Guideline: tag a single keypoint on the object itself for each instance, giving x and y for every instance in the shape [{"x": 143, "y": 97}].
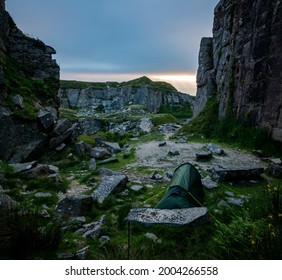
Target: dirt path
[{"x": 158, "y": 158}]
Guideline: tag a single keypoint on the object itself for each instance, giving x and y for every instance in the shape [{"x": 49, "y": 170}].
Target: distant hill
[{"x": 163, "y": 87}]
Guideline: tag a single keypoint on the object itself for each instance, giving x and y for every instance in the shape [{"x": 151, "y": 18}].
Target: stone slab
[
  {"x": 177, "y": 217},
  {"x": 237, "y": 173}
]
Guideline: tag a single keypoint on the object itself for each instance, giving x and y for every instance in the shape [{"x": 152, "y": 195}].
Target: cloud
[{"x": 124, "y": 36}]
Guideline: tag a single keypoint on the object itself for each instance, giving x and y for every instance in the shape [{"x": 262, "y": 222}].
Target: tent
[{"x": 185, "y": 189}]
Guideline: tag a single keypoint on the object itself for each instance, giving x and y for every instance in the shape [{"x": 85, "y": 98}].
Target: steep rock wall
[
  {"x": 29, "y": 81},
  {"x": 247, "y": 63},
  {"x": 115, "y": 99}
]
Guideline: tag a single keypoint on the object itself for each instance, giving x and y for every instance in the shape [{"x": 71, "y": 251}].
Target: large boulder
[
  {"x": 74, "y": 206},
  {"x": 6, "y": 202},
  {"x": 237, "y": 173},
  {"x": 175, "y": 217},
  {"x": 109, "y": 185}
]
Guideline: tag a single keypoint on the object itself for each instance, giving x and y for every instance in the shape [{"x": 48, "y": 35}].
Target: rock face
[
  {"x": 115, "y": 99},
  {"x": 29, "y": 81},
  {"x": 241, "y": 64}
]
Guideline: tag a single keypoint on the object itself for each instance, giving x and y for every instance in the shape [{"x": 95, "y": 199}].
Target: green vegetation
[
  {"x": 180, "y": 112},
  {"x": 18, "y": 81},
  {"x": 229, "y": 130},
  {"x": 160, "y": 119},
  {"x": 143, "y": 81}
]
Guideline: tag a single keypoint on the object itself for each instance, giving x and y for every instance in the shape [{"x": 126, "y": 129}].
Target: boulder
[
  {"x": 215, "y": 149},
  {"x": 18, "y": 101},
  {"x": 145, "y": 125},
  {"x": 6, "y": 202},
  {"x": 92, "y": 164},
  {"x": 112, "y": 147},
  {"x": 136, "y": 188},
  {"x": 99, "y": 153},
  {"x": 109, "y": 185},
  {"x": 275, "y": 170},
  {"x": 73, "y": 206},
  {"x": 237, "y": 173},
  {"x": 94, "y": 229},
  {"x": 163, "y": 143},
  {"x": 21, "y": 167},
  {"x": 45, "y": 120},
  {"x": 177, "y": 217},
  {"x": 82, "y": 149},
  {"x": 62, "y": 125},
  {"x": 109, "y": 160},
  {"x": 202, "y": 156},
  {"x": 108, "y": 172},
  {"x": 209, "y": 183}
]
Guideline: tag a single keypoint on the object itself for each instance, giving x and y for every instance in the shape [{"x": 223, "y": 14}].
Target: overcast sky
[{"x": 120, "y": 39}]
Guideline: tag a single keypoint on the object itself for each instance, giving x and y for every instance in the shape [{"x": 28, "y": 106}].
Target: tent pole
[{"x": 128, "y": 240}]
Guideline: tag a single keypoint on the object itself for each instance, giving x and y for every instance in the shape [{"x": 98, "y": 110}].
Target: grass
[
  {"x": 229, "y": 130},
  {"x": 160, "y": 119}
]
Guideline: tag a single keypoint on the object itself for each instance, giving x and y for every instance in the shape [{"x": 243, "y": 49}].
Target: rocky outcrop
[
  {"x": 117, "y": 98},
  {"x": 29, "y": 81},
  {"x": 241, "y": 65}
]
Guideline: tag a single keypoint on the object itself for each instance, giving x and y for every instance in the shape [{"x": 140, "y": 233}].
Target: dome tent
[{"x": 185, "y": 189}]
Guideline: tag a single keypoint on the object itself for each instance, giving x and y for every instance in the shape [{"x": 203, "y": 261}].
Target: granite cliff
[
  {"x": 29, "y": 81},
  {"x": 115, "y": 97},
  {"x": 241, "y": 65}
]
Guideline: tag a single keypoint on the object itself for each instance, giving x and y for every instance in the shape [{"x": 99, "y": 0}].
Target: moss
[
  {"x": 160, "y": 119},
  {"x": 181, "y": 111},
  {"x": 19, "y": 81}
]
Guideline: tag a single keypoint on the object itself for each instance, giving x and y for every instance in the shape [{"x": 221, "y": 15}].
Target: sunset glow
[{"x": 185, "y": 83}]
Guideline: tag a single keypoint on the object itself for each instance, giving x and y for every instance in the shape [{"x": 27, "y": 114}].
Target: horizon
[{"x": 110, "y": 41}]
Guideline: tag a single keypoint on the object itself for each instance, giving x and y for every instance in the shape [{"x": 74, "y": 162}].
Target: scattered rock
[
  {"x": 161, "y": 144},
  {"x": 180, "y": 141},
  {"x": 21, "y": 167},
  {"x": 104, "y": 239},
  {"x": 46, "y": 120},
  {"x": 82, "y": 149},
  {"x": 235, "y": 201},
  {"x": 125, "y": 193},
  {"x": 209, "y": 183},
  {"x": 215, "y": 149},
  {"x": 92, "y": 164},
  {"x": 60, "y": 147},
  {"x": 109, "y": 160},
  {"x": 136, "y": 188},
  {"x": 18, "y": 101},
  {"x": 108, "y": 172},
  {"x": 222, "y": 203},
  {"x": 99, "y": 153},
  {"x": 156, "y": 176},
  {"x": 6, "y": 202},
  {"x": 145, "y": 125},
  {"x": 94, "y": 229},
  {"x": 237, "y": 173},
  {"x": 109, "y": 185},
  {"x": 202, "y": 156},
  {"x": 82, "y": 253},
  {"x": 173, "y": 153},
  {"x": 276, "y": 161},
  {"x": 45, "y": 214},
  {"x": 43, "y": 194},
  {"x": 229, "y": 193},
  {"x": 275, "y": 170},
  {"x": 72, "y": 206},
  {"x": 112, "y": 147}
]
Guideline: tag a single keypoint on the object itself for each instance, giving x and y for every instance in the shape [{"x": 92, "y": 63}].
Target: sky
[{"x": 120, "y": 40}]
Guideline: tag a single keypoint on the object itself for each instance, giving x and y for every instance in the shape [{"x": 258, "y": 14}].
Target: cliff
[
  {"x": 114, "y": 97},
  {"x": 241, "y": 64},
  {"x": 29, "y": 81}
]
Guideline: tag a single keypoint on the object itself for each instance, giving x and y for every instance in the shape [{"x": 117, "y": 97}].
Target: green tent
[{"x": 185, "y": 189}]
